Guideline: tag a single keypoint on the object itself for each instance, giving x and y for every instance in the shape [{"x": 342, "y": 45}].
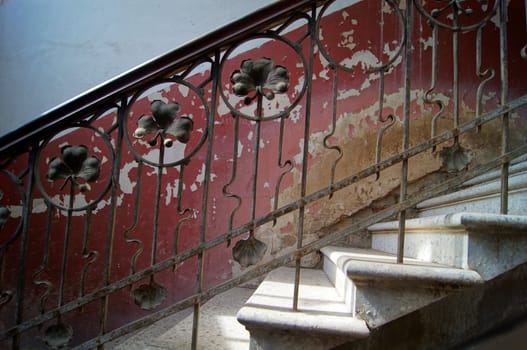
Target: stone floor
[{"x": 219, "y": 328}]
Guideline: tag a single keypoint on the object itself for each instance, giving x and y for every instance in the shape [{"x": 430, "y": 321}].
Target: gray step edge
[
  {"x": 517, "y": 183},
  {"x": 476, "y": 222},
  {"x": 361, "y": 269},
  {"x": 303, "y": 321}
]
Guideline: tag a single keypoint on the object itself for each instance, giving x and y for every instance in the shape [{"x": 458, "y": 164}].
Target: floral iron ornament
[
  {"x": 74, "y": 164},
  {"x": 164, "y": 121},
  {"x": 249, "y": 251},
  {"x": 261, "y": 76}
]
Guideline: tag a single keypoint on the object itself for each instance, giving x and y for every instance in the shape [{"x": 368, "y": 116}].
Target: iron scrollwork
[{"x": 265, "y": 79}]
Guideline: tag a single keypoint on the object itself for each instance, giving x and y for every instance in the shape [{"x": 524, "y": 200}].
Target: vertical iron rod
[
  {"x": 303, "y": 184},
  {"x": 455, "y": 59},
  {"x": 26, "y": 217},
  {"x": 110, "y": 234},
  {"x": 155, "y": 226},
  {"x": 504, "y": 69},
  {"x": 406, "y": 129},
  {"x": 65, "y": 250},
  {"x": 215, "y": 74}
]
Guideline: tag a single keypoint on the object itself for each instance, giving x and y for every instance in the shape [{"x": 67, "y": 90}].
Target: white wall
[{"x": 53, "y": 50}]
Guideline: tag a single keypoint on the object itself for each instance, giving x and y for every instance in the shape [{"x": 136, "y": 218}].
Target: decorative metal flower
[
  {"x": 261, "y": 76},
  {"x": 458, "y": 6},
  {"x": 74, "y": 164},
  {"x": 249, "y": 251},
  {"x": 455, "y": 158},
  {"x": 58, "y": 336},
  {"x": 149, "y": 296},
  {"x": 163, "y": 122}
]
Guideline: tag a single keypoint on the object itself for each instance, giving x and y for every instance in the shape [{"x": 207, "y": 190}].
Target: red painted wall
[{"x": 351, "y": 36}]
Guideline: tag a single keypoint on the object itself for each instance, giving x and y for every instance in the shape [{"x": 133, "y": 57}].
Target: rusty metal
[
  {"x": 256, "y": 81},
  {"x": 504, "y": 98}
]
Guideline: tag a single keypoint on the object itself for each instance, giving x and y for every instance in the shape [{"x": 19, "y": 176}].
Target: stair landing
[{"x": 219, "y": 328}]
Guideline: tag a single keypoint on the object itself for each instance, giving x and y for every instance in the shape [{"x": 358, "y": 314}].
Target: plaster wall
[{"x": 345, "y": 118}]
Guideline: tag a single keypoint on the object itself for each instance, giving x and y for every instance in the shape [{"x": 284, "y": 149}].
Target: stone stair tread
[
  {"x": 369, "y": 265},
  {"x": 320, "y": 308},
  {"x": 478, "y": 222},
  {"x": 481, "y": 194}
]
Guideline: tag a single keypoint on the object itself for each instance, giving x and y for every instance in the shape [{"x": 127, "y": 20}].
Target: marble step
[
  {"x": 378, "y": 290},
  {"x": 482, "y": 194},
  {"x": 321, "y": 322},
  {"x": 487, "y": 243}
]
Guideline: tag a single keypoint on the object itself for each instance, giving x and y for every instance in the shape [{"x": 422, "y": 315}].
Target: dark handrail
[{"x": 110, "y": 91}]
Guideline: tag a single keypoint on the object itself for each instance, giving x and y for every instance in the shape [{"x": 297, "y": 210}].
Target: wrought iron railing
[{"x": 118, "y": 207}]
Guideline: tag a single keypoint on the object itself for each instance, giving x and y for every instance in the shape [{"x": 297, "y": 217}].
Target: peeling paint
[
  {"x": 240, "y": 149},
  {"x": 125, "y": 183},
  {"x": 16, "y": 211},
  {"x": 183, "y": 89},
  {"x": 347, "y": 40},
  {"x": 427, "y": 43},
  {"x": 365, "y": 57},
  {"x": 157, "y": 95},
  {"x": 39, "y": 206}
]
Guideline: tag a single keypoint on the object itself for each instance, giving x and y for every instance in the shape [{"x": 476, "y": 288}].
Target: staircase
[{"x": 463, "y": 275}]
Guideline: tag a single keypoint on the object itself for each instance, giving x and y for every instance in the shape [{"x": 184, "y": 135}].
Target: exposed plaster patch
[
  {"x": 387, "y": 8},
  {"x": 299, "y": 156},
  {"x": 296, "y": 114},
  {"x": 347, "y": 40},
  {"x": 250, "y": 135},
  {"x": 16, "y": 211},
  {"x": 324, "y": 74},
  {"x": 239, "y": 149},
  {"x": 365, "y": 57},
  {"x": 201, "y": 175},
  {"x": 78, "y": 201},
  {"x": 428, "y": 43},
  {"x": 171, "y": 191},
  {"x": 39, "y": 206},
  {"x": 487, "y": 97},
  {"x": 103, "y": 203},
  {"x": 391, "y": 52},
  {"x": 183, "y": 89},
  {"x": 157, "y": 95},
  {"x": 298, "y": 87},
  {"x": 126, "y": 185},
  {"x": 344, "y": 94}
]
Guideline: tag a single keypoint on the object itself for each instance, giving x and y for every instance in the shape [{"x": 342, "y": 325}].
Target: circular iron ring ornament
[
  {"x": 259, "y": 89},
  {"x": 178, "y": 115},
  {"x": 382, "y": 66},
  {"x": 460, "y": 9},
  {"x": 61, "y": 163},
  {"x": 5, "y": 213}
]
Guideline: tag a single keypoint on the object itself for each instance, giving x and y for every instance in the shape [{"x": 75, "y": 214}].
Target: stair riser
[
  {"x": 482, "y": 198},
  {"x": 517, "y": 205},
  {"x": 342, "y": 284},
  {"x": 488, "y": 254}
]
